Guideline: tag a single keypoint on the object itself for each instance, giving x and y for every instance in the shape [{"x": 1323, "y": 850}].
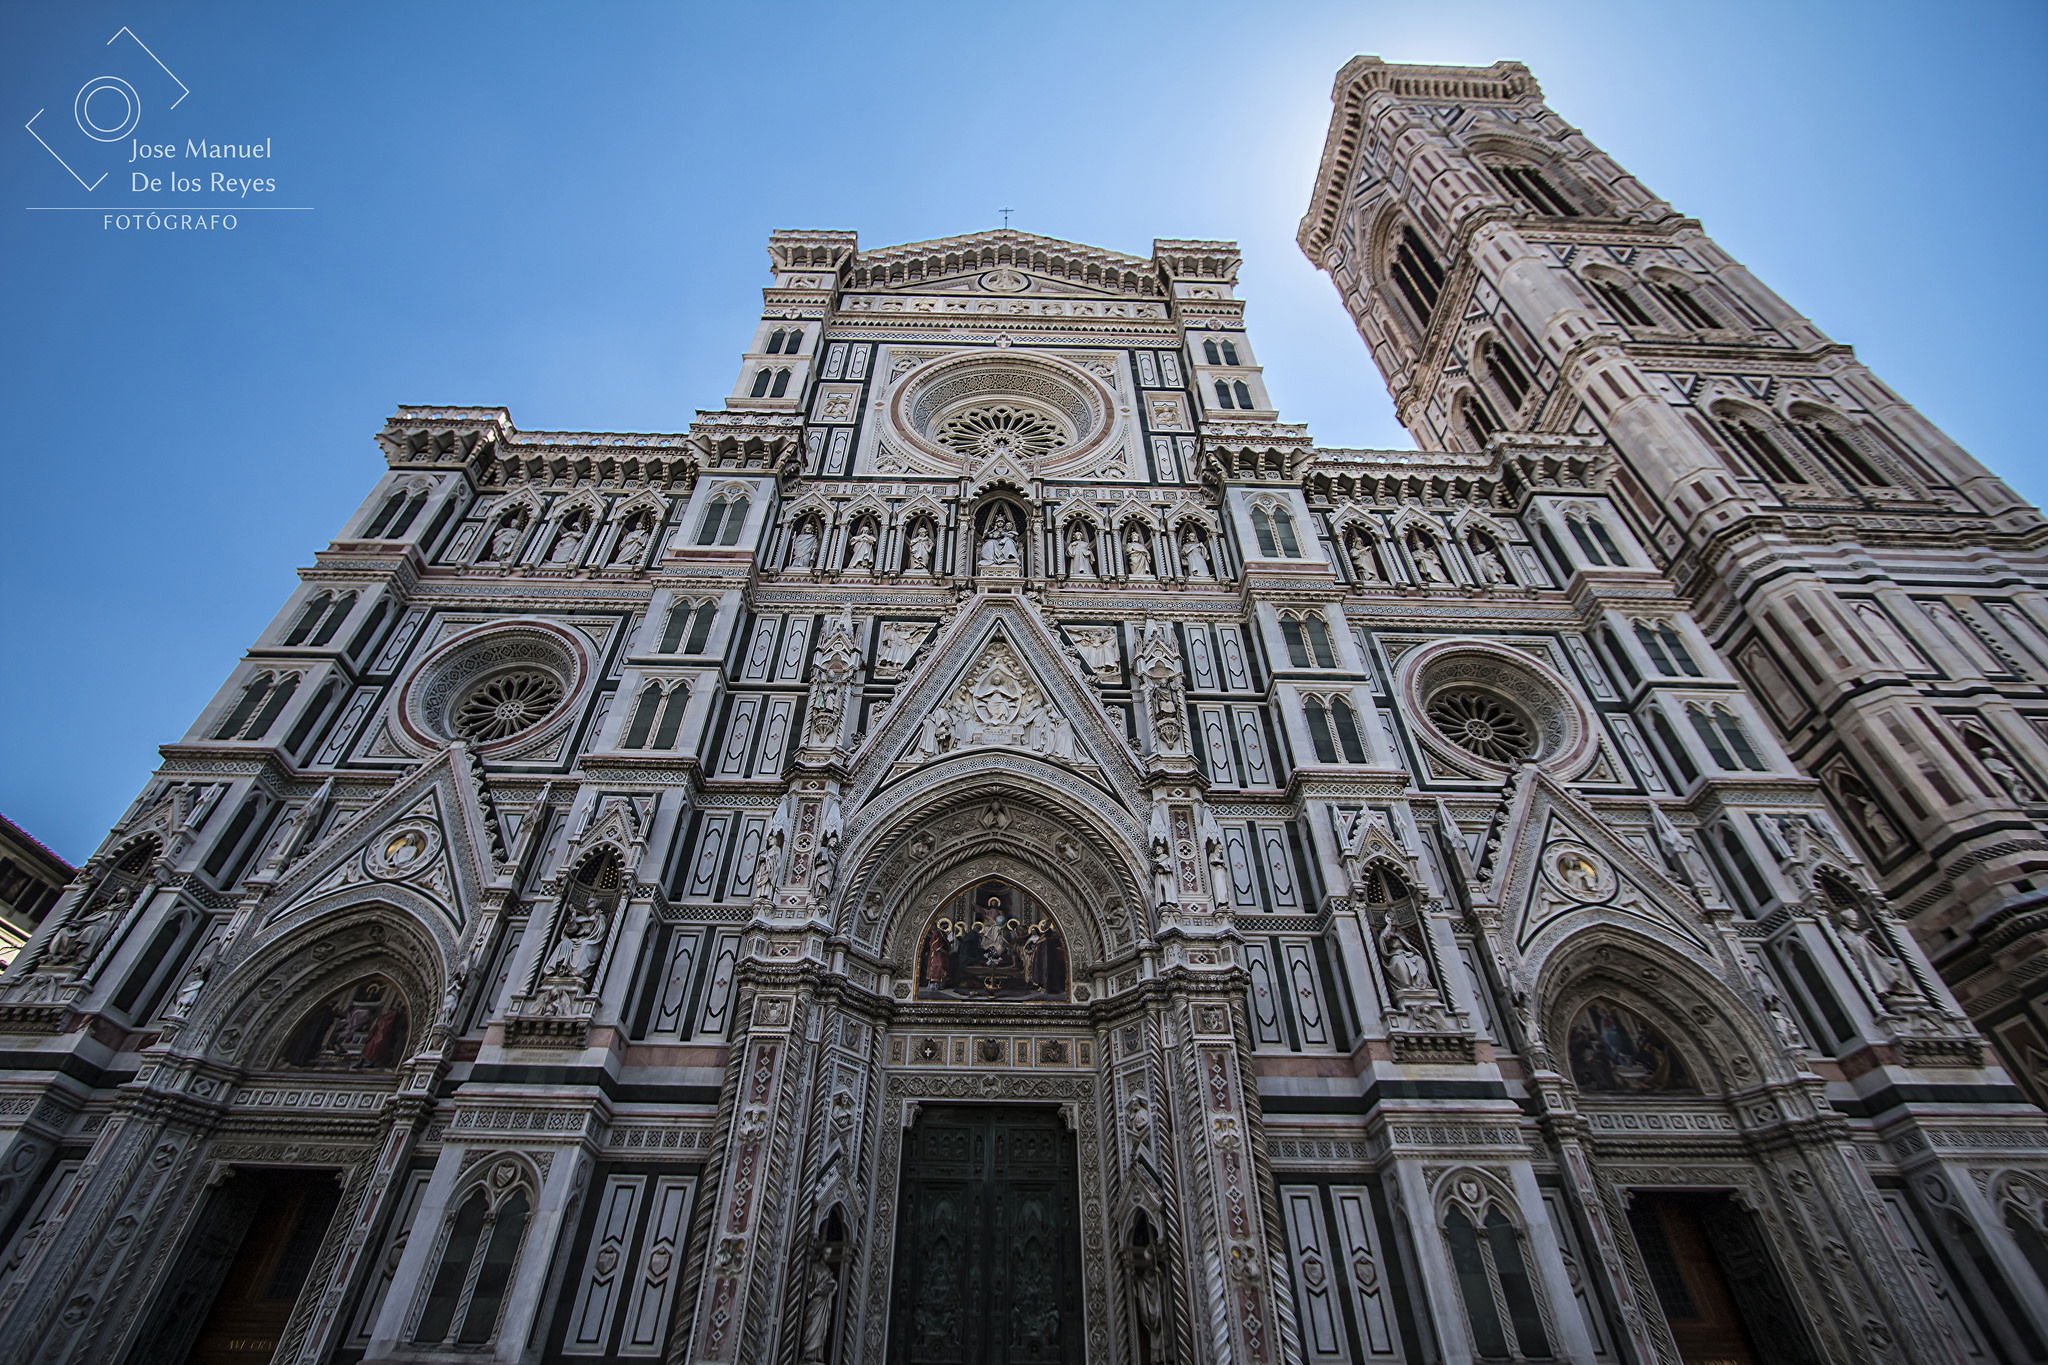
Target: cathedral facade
[{"x": 991, "y": 845}]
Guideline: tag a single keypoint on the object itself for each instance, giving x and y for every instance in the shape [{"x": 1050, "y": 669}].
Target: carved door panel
[
  {"x": 987, "y": 1243},
  {"x": 241, "y": 1270},
  {"x": 1719, "y": 1291}
]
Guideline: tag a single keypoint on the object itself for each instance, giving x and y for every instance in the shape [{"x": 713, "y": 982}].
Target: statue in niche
[
  {"x": 1429, "y": 564},
  {"x": 505, "y": 537},
  {"x": 1137, "y": 553},
  {"x": 195, "y": 980},
  {"x": 1195, "y": 559},
  {"x": 803, "y": 548},
  {"x": 1407, "y": 969},
  {"x": 359, "y": 1028},
  {"x": 1081, "y": 554},
  {"x": 999, "y": 543},
  {"x": 633, "y": 543},
  {"x": 1162, "y": 870},
  {"x": 568, "y": 547},
  {"x": 1364, "y": 566},
  {"x": 825, "y": 864},
  {"x": 1871, "y": 950},
  {"x": 990, "y": 943},
  {"x": 819, "y": 1301},
  {"x": 833, "y": 666},
  {"x": 1614, "y": 1050},
  {"x": 581, "y": 945},
  {"x": 1773, "y": 1002},
  {"x": 860, "y": 554},
  {"x": 922, "y": 544},
  {"x": 2001, "y": 769},
  {"x": 1493, "y": 570},
  {"x": 1680, "y": 856},
  {"x": 1867, "y": 814}
]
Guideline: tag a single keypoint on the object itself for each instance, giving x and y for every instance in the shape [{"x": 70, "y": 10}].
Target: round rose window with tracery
[
  {"x": 503, "y": 688},
  {"x": 506, "y": 704},
  {"x": 1481, "y": 723},
  {"x": 998, "y": 430}
]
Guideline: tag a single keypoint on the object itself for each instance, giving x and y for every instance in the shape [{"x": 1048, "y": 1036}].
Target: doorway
[
  {"x": 988, "y": 1254},
  {"x": 1715, "y": 1280},
  {"x": 242, "y": 1269}
]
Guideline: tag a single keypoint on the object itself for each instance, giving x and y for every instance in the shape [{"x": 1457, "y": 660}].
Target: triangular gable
[
  {"x": 443, "y": 802},
  {"x": 1569, "y": 862},
  {"x": 1000, "y": 677}
]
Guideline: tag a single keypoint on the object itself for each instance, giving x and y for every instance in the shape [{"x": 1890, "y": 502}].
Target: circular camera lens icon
[{"x": 101, "y": 97}]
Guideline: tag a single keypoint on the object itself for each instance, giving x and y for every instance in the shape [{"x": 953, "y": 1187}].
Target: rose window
[
  {"x": 506, "y": 704},
  {"x": 1000, "y": 430},
  {"x": 1483, "y": 724}
]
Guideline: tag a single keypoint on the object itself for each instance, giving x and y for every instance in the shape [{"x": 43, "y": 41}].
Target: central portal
[{"x": 988, "y": 1256}]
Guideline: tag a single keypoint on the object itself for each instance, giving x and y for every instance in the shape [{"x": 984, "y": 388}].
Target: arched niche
[
  {"x": 256, "y": 1008},
  {"x": 1001, "y": 817},
  {"x": 1674, "y": 1029},
  {"x": 364, "y": 1026}
]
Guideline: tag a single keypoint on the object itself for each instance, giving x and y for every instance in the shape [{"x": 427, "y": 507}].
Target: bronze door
[
  {"x": 988, "y": 1256},
  {"x": 240, "y": 1272},
  {"x": 1715, "y": 1281}
]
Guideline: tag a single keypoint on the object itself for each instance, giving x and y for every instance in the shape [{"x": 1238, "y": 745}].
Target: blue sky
[{"x": 562, "y": 209}]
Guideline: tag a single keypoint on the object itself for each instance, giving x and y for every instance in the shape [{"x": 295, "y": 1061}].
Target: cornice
[{"x": 1361, "y": 82}]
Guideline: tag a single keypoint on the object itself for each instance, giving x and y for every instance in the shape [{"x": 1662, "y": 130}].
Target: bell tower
[{"x": 1879, "y": 588}]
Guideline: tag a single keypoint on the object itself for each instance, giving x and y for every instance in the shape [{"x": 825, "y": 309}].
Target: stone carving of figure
[
  {"x": 1873, "y": 955},
  {"x": 1364, "y": 567},
  {"x": 1137, "y": 554},
  {"x": 934, "y": 734},
  {"x": 1195, "y": 559},
  {"x": 1862, "y": 809},
  {"x": 1219, "y": 872},
  {"x": 1081, "y": 555},
  {"x": 569, "y": 543},
  {"x": 922, "y": 542},
  {"x": 1162, "y": 869},
  {"x": 1773, "y": 1002},
  {"x": 1407, "y": 968},
  {"x": 860, "y": 556},
  {"x": 819, "y": 1300},
  {"x": 825, "y": 864},
  {"x": 1679, "y": 854},
  {"x": 504, "y": 538},
  {"x": 1150, "y": 1300},
  {"x": 1429, "y": 565},
  {"x": 2002, "y": 770},
  {"x": 633, "y": 543},
  {"x": 1159, "y": 672},
  {"x": 195, "y": 980},
  {"x": 898, "y": 646},
  {"x": 1097, "y": 646},
  {"x": 80, "y": 936},
  {"x": 999, "y": 542},
  {"x": 582, "y": 943},
  {"x": 803, "y": 550},
  {"x": 1492, "y": 568}
]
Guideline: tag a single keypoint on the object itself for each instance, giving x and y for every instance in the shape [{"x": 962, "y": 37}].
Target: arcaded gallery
[{"x": 988, "y": 844}]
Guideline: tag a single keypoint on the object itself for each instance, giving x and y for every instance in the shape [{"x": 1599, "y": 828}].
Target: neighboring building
[
  {"x": 992, "y": 846},
  {"x": 31, "y": 878}
]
